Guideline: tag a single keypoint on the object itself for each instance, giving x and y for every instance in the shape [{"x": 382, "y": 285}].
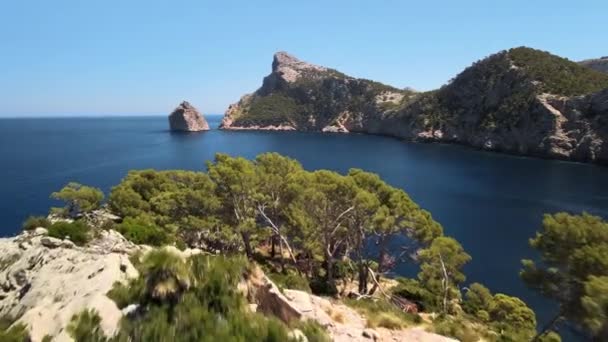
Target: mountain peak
[{"x": 289, "y": 67}]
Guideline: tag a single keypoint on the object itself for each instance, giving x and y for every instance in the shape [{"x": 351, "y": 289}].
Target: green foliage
[
  {"x": 10, "y": 332},
  {"x": 550, "y": 336},
  {"x": 314, "y": 331},
  {"x": 180, "y": 203},
  {"x": 78, "y": 232},
  {"x": 34, "y": 222},
  {"x": 478, "y": 299},
  {"x": 573, "y": 249},
  {"x": 167, "y": 275},
  {"x": 78, "y": 198},
  {"x": 595, "y": 306},
  {"x": 274, "y": 109},
  {"x": 86, "y": 327},
  {"x": 142, "y": 230},
  {"x": 412, "y": 289},
  {"x": 512, "y": 318},
  {"x": 558, "y": 75},
  {"x": 207, "y": 306},
  {"x": 290, "y": 280},
  {"x": 441, "y": 271},
  {"x": 457, "y": 328},
  {"x": 381, "y": 313}
]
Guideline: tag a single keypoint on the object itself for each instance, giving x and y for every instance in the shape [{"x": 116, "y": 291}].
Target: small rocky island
[{"x": 186, "y": 118}]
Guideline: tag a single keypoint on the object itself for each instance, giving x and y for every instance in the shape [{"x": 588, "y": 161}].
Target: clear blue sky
[{"x": 143, "y": 57}]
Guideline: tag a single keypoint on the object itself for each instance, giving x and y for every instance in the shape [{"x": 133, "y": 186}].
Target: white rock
[
  {"x": 45, "y": 287},
  {"x": 297, "y": 335}
]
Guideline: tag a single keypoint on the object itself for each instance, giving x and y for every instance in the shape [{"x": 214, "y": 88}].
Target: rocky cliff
[
  {"x": 186, "y": 118},
  {"x": 45, "y": 281},
  {"x": 599, "y": 64},
  {"x": 520, "y": 101}
]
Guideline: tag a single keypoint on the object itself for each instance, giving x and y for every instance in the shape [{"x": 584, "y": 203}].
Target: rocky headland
[
  {"x": 520, "y": 101},
  {"x": 599, "y": 64},
  {"x": 186, "y": 118}
]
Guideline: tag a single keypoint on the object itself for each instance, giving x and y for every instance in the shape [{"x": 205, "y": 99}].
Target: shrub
[
  {"x": 313, "y": 330},
  {"x": 558, "y": 75},
  {"x": 141, "y": 231},
  {"x": 381, "y": 313},
  {"x": 78, "y": 198},
  {"x": 16, "y": 333},
  {"x": 86, "y": 327},
  {"x": 291, "y": 280},
  {"x": 77, "y": 231},
  {"x": 456, "y": 328},
  {"x": 34, "y": 222}
]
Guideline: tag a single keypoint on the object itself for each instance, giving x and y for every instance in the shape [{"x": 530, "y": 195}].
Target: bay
[{"x": 492, "y": 203}]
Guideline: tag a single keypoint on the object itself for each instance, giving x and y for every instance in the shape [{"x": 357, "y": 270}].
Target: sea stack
[{"x": 186, "y": 118}]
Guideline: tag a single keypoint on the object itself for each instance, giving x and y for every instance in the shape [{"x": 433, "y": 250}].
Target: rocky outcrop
[
  {"x": 44, "y": 281},
  {"x": 510, "y": 102},
  {"x": 186, "y": 118},
  {"x": 599, "y": 64},
  {"x": 342, "y": 322}
]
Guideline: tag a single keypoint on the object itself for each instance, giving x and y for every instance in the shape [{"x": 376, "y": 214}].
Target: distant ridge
[
  {"x": 521, "y": 101},
  {"x": 599, "y": 64}
]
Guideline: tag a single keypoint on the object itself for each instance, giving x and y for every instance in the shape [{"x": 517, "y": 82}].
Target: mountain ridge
[{"x": 520, "y": 101}]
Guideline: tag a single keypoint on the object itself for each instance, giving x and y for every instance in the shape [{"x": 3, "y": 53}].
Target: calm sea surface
[{"x": 491, "y": 203}]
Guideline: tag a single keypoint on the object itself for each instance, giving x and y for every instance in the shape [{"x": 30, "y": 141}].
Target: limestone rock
[
  {"x": 497, "y": 104},
  {"x": 186, "y": 118},
  {"x": 50, "y": 281}
]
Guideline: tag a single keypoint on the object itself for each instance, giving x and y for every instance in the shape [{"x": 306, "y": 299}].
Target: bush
[
  {"x": 381, "y": 313},
  {"x": 141, "y": 231},
  {"x": 558, "y": 75},
  {"x": 77, "y": 231},
  {"x": 210, "y": 309},
  {"x": 86, "y": 327},
  {"x": 412, "y": 290},
  {"x": 16, "y": 333},
  {"x": 456, "y": 328},
  {"x": 291, "y": 280},
  {"x": 34, "y": 222},
  {"x": 78, "y": 198},
  {"x": 313, "y": 330}
]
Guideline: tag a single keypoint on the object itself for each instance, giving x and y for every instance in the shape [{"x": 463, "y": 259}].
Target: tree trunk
[
  {"x": 272, "y": 246},
  {"x": 247, "y": 243},
  {"x": 281, "y": 259},
  {"x": 362, "y": 278},
  {"x": 548, "y": 326},
  {"x": 329, "y": 270}
]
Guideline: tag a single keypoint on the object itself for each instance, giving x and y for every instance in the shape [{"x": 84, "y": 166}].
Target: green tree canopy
[
  {"x": 441, "y": 270},
  {"x": 78, "y": 198},
  {"x": 573, "y": 248}
]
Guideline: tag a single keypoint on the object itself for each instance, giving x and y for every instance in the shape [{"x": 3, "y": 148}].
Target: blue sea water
[{"x": 492, "y": 203}]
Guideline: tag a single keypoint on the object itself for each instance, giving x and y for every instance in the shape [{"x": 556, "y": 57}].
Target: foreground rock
[
  {"x": 186, "y": 118},
  {"x": 45, "y": 281},
  {"x": 342, "y": 323},
  {"x": 519, "y": 101}
]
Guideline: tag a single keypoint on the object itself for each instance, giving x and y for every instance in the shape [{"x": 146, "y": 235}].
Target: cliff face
[
  {"x": 186, "y": 118},
  {"x": 599, "y": 64},
  {"x": 520, "y": 101}
]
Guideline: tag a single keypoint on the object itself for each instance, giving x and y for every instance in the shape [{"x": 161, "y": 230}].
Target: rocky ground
[{"x": 45, "y": 281}]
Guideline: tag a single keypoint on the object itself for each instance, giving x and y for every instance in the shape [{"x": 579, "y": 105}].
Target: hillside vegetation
[
  {"x": 558, "y": 75},
  {"x": 312, "y": 230}
]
